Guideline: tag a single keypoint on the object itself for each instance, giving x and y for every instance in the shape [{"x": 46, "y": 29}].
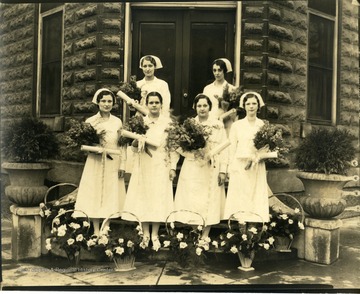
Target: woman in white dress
[
  {"x": 248, "y": 189},
  {"x": 150, "y": 83},
  {"x": 214, "y": 91},
  {"x": 200, "y": 188},
  {"x": 150, "y": 192},
  {"x": 102, "y": 188}
]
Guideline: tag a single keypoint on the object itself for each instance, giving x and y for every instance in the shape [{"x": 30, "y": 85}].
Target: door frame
[{"x": 191, "y": 5}]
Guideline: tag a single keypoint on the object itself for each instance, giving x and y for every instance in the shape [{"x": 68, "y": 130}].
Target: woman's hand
[
  {"x": 221, "y": 179},
  {"x": 172, "y": 174},
  {"x": 121, "y": 173}
]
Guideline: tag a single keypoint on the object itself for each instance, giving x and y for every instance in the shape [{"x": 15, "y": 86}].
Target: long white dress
[
  {"x": 150, "y": 192},
  {"x": 214, "y": 92},
  {"x": 101, "y": 192},
  {"x": 247, "y": 189},
  {"x": 159, "y": 86},
  {"x": 197, "y": 188}
]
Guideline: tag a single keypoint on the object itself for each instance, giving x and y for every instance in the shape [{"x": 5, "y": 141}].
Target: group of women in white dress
[{"x": 200, "y": 187}]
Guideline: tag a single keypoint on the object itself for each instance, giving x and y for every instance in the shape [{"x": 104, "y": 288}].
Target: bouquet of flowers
[
  {"x": 131, "y": 89},
  {"x": 269, "y": 142},
  {"x": 135, "y": 124},
  {"x": 190, "y": 136},
  {"x": 285, "y": 224},
  {"x": 70, "y": 232},
  {"x": 230, "y": 99},
  {"x": 80, "y": 133},
  {"x": 185, "y": 244},
  {"x": 246, "y": 238}
]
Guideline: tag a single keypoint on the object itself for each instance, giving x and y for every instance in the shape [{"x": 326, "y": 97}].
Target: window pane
[
  {"x": 321, "y": 41},
  {"x": 326, "y": 6},
  {"x": 51, "y": 64},
  {"x": 319, "y": 93}
]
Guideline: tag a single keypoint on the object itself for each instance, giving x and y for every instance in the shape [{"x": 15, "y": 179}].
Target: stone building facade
[{"x": 273, "y": 57}]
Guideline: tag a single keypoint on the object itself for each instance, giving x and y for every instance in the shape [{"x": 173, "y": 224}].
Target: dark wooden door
[{"x": 187, "y": 41}]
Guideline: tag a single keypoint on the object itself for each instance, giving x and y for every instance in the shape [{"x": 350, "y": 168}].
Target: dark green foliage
[
  {"x": 29, "y": 140},
  {"x": 325, "y": 151}
]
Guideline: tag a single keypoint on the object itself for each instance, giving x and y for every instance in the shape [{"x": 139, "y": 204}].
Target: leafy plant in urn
[{"x": 324, "y": 158}]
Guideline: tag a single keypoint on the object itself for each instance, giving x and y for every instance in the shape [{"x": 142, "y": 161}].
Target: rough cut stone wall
[
  {"x": 274, "y": 54},
  {"x": 17, "y": 60},
  {"x": 93, "y": 53},
  {"x": 349, "y": 70}
]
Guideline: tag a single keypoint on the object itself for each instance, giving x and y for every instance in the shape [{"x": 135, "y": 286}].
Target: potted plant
[
  {"x": 26, "y": 143},
  {"x": 120, "y": 244},
  {"x": 324, "y": 158},
  {"x": 244, "y": 239}
]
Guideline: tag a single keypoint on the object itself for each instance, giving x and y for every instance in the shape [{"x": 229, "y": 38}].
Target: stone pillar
[
  {"x": 322, "y": 238},
  {"x": 26, "y": 232}
]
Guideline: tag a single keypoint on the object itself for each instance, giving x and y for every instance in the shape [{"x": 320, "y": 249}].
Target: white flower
[
  {"x": 41, "y": 213},
  {"x": 183, "y": 245},
  {"x": 75, "y": 226},
  {"x": 61, "y": 231},
  {"x": 53, "y": 231},
  {"x": 130, "y": 244},
  {"x": 291, "y": 236},
  {"x": 273, "y": 224},
  {"x": 166, "y": 243},
  {"x": 47, "y": 212},
  {"x": 48, "y": 240},
  {"x": 244, "y": 237},
  {"x": 103, "y": 240},
  {"x": 207, "y": 239},
  {"x": 206, "y": 247},
  {"x": 223, "y": 243},
  {"x": 265, "y": 228},
  {"x": 301, "y": 226},
  {"x": 215, "y": 244},
  {"x": 198, "y": 251},
  {"x": 48, "y": 246},
  {"x": 266, "y": 246},
  {"x": 56, "y": 221},
  {"x": 119, "y": 250},
  {"x": 284, "y": 216},
  {"x": 70, "y": 241},
  {"x": 253, "y": 230},
  {"x": 291, "y": 221},
  {"x": 179, "y": 236},
  {"x": 354, "y": 163},
  {"x": 86, "y": 224},
  {"x": 172, "y": 225},
  {"x": 109, "y": 253},
  {"x": 42, "y": 204},
  {"x": 61, "y": 211},
  {"x": 138, "y": 228},
  {"x": 57, "y": 203},
  {"x": 143, "y": 245},
  {"x": 296, "y": 210},
  {"x": 79, "y": 237},
  {"x": 233, "y": 249},
  {"x": 90, "y": 243},
  {"x": 121, "y": 240},
  {"x": 271, "y": 240},
  {"x": 229, "y": 235},
  {"x": 200, "y": 227}
]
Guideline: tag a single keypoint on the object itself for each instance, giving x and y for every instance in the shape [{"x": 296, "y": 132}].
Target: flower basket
[
  {"x": 69, "y": 233},
  {"x": 65, "y": 201},
  {"x": 244, "y": 238},
  {"x": 185, "y": 243},
  {"x": 285, "y": 221},
  {"x": 121, "y": 246}
]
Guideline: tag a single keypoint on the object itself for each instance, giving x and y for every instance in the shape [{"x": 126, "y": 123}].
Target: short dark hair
[
  {"x": 221, "y": 64},
  {"x": 202, "y": 96},
  {"x": 154, "y": 93},
  {"x": 148, "y": 58},
  {"x": 103, "y": 93},
  {"x": 251, "y": 96}
]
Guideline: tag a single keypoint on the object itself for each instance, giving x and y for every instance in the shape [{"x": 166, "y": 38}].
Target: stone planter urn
[
  {"x": 323, "y": 194},
  {"x": 26, "y": 187}
]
